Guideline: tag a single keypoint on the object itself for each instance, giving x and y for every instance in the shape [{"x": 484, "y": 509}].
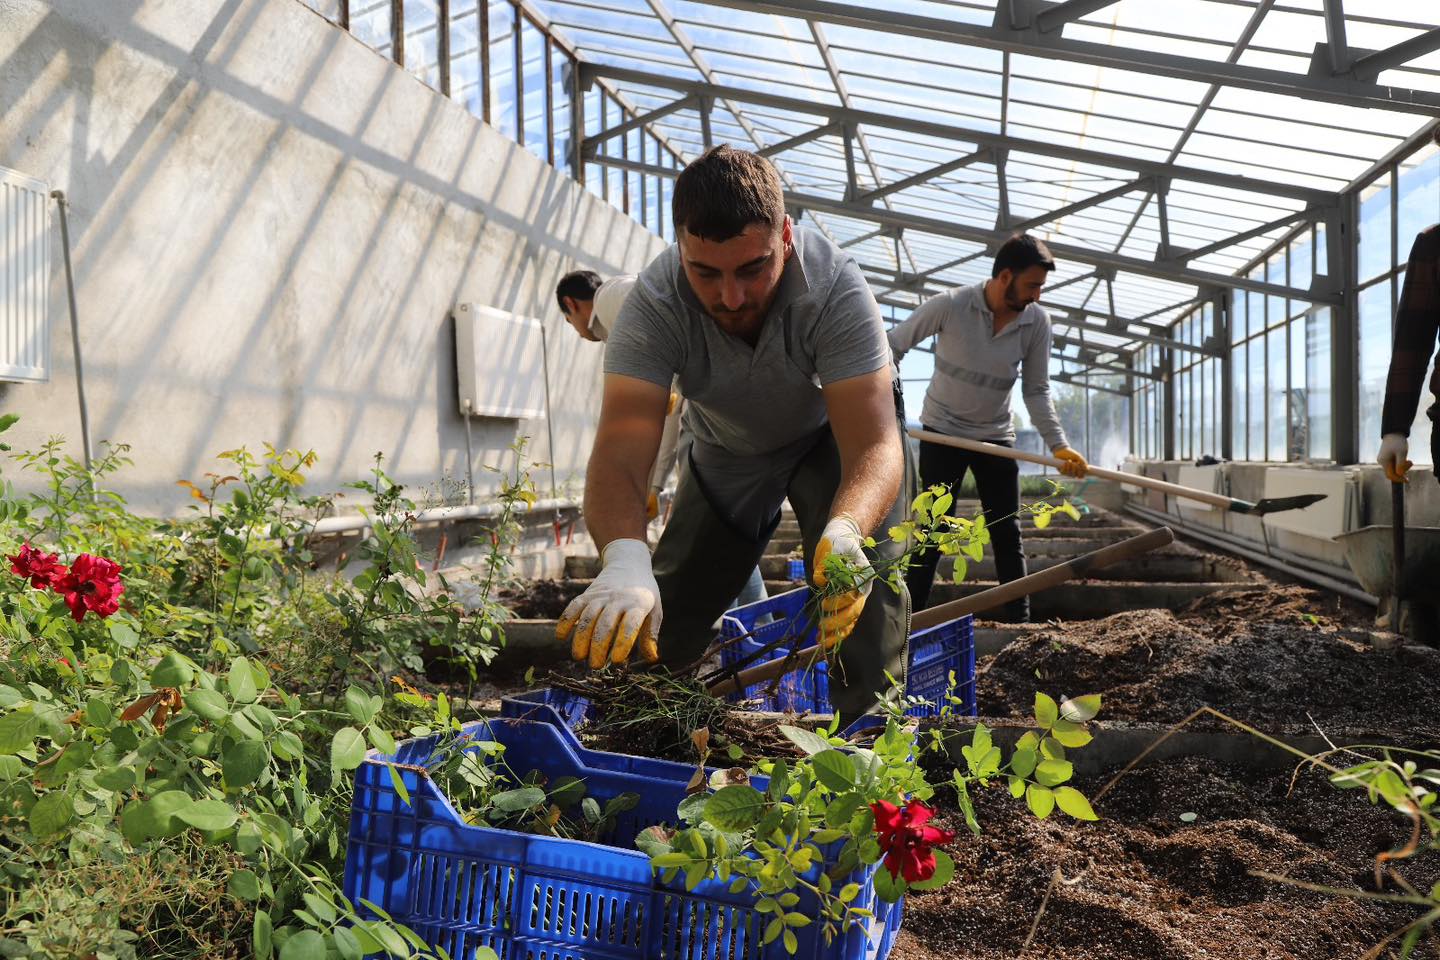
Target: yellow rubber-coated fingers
[
  {"x": 822, "y": 553},
  {"x": 626, "y": 633},
  {"x": 565, "y": 626},
  {"x": 649, "y": 648},
  {"x": 584, "y": 639}
]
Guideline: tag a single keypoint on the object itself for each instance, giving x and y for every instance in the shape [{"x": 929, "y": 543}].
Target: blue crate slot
[
  {"x": 461, "y": 887},
  {"x": 933, "y": 653},
  {"x": 797, "y": 568}
]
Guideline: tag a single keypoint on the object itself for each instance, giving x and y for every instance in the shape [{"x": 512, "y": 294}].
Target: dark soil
[
  {"x": 1272, "y": 658},
  {"x": 1153, "y": 886},
  {"x": 541, "y": 599}
]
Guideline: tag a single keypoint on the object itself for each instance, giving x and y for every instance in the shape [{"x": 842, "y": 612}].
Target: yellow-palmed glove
[
  {"x": 838, "y": 614},
  {"x": 674, "y": 400},
  {"x": 619, "y": 612},
  {"x": 652, "y": 504},
  {"x": 1394, "y": 448},
  {"x": 1072, "y": 464}
]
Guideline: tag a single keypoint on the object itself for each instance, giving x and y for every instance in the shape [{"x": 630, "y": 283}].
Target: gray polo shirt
[
  {"x": 975, "y": 370},
  {"x": 753, "y": 411}
]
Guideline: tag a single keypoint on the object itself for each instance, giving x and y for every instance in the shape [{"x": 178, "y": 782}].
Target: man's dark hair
[
  {"x": 1020, "y": 253},
  {"x": 578, "y": 285},
  {"x": 724, "y": 191}
]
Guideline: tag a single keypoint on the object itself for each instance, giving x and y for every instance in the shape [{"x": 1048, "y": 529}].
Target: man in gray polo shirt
[
  {"x": 790, "y": 392},
  {"x": 985, "y": 337}
]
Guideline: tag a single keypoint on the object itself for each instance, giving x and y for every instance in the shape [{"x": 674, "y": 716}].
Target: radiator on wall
[{"x": 24, "y": 278}]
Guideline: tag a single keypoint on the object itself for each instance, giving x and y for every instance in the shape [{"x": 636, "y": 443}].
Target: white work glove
[
  {"x": 620, "y": 608},
  {"x": 1394, "y": 447},
  {"x": 838, "y": 614}
]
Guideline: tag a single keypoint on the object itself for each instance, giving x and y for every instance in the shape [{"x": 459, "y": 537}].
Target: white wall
[{"x": 270, "y": 224}]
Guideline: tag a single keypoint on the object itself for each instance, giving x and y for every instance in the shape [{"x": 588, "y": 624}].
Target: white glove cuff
[
  {"x": 848, "y": 523},
  {"x": 626, "y": 553}
]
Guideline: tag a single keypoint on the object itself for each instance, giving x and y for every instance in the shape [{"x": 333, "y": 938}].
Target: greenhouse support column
[
  {"x": 1167, "y": 370},
  {"x": 1225, "y": 308},
  {"x": 1134, "y": 408},
  {"x": 1343, "y": 249}
]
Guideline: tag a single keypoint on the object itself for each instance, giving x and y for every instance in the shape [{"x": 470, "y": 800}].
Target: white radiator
[
  {"x": 24, "y": 278},
  {"x": 501, "y": 363}
]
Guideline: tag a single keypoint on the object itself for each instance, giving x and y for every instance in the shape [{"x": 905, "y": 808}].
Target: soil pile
[
  {"x": 1153, "y": 886},
  {"x": 541, "y": 599},
  {"x": 1266, "y": 661}
]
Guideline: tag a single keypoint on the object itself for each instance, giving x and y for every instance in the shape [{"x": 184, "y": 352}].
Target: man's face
[
  {"x": 1024, "y": 287},
  {"x": 577, "y": 314},
  {"x": 736, "y": 280}
]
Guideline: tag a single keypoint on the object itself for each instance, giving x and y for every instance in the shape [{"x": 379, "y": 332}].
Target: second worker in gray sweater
[{"x": 987, "y": 336}]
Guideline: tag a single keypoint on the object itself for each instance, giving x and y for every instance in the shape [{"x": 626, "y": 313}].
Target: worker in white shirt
[
  {"x": 591, "y": 305},
  {"x": 986, "y": 337}
]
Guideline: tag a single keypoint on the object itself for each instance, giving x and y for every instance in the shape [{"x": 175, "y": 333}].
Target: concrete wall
[
  {"x": 270, "y": 225},
  {"x": 1247, "y": 482}
]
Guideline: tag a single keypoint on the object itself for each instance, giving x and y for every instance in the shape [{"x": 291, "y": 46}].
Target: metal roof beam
[
  {"x": 1062, "y": 13},
  {"x": 592, "y": 144},
  {"x": 981, "y": 235},
  {"x": 1335, "y": 41},
  {"x": 1371, "y": 65},
  {"x": 1107, "y": 367},
  {"x": 1079, "y": 205},
  {"x": 949, "y": 166},
  {"x": 1032, "y": 42},
  {"x": 800, "y": 139},
  {"x": 981, "y": 138}
]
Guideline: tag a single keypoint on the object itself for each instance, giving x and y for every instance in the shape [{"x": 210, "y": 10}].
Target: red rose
[
  {"x": 40, "y": 568},
  {"x": 906, "y": 840},
  {"x": 93, "y": 584}
]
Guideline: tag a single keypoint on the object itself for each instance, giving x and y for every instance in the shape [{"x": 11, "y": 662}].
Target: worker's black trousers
[
  {"x": 998, "y": 480},
  {"x": 703, "y": 560}
]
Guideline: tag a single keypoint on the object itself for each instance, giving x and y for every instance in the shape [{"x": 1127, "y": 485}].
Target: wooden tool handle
[
  {"x": 1135, "y": 479},
  {"x": 1081, "y": 566}
]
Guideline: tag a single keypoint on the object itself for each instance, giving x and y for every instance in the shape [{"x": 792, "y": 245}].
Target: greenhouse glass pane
[
  {"x": 422, "y": 40},
  {"x": 1255, "y": 414},
  {"x": 1375, "y": 348},
  {"x": 537, "y": 139},
  {"x": 1419, "y": 200},
  {"x": 1317, "y": 379},
  {"x": 1375, "y": 254},
  {"x": 1299, "y": 403},
  {"x": 371, "y": 23},
  {"x": 561, "y": 89},
  {"x": 1237, "y": 406},
  {"x": 503, "y": 109},
  {"x": 465, "y": 86},
  {"x": 1277, "y": 361}
]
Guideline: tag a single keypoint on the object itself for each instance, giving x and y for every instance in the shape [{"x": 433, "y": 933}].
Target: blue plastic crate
[
  {"x": 540, "y": 898},
  {"x": 933, "y": 654},
  {"x": 797, "y": 568}
]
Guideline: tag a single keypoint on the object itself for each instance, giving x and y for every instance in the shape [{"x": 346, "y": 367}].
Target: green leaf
[
  {"x": 1070, "y": 735},
  {"x": 1189, "y": 817},
  {"x": 1040, "y": 800},
  {"x": 398, "y": 782},
  {"x": 887, "y": 887},
  {"x": 1080, "y": 709},
  {"x": 244, "y": 885},
  {"x": 779, "y": 781},
  {"x": 736, "y": 807},
  {"x": 99, "y": 713},
  {"x": 242, "y": 681},
  {"x": 347, "y": 943},
  {"x": 347, "y": 749},
  {"x": 173, "y": 670},
  {"x": 944, "y": 873},
  {"x": 243, "y": 763},
  {"x": 207, "y": 704},
  {"x": 155, "y": 817},
  {"x": 1052, "y": 773},
  {"x": 1022, "y": 762},
  {"x": 1073, "y": 802},
  {"x": 967, "y": 807},
  {"x": 357, "y": 702},
  {"x": 51, "y": 814},
  {"x": 1046, "y": 712},
  {"x": 808, "y": 741},
  {"x": 288, "y": 746},
  {"x": 381, "y": 740},
  {"x": 1051, "y": 749},
  {"x": 18, "y": 730},
  {"x": 262, "y": 936},
  {"x": 209, "y": 815},
  {"x": 515, "y": 801},
  {"x": 1042, "y": 520},
  {"x": 834, "y": 770},
  {"x": 305, "y": 945}
]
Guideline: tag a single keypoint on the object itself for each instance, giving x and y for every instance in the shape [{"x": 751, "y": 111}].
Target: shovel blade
[{"x": 1278, "y": 504}]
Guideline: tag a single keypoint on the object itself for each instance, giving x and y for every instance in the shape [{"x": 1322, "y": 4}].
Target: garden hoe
[
  {"x": 1268, "y": 505},
  {"x": 985, "y": 600}
]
